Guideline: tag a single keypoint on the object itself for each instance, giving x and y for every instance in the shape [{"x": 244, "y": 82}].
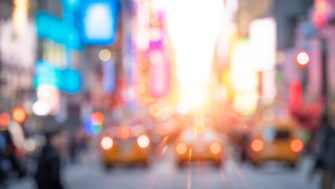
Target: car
[
  {"x": 125, "y": 144},
  {"x": 196, "y": 144},
  {"x": 276, "y": 140}
]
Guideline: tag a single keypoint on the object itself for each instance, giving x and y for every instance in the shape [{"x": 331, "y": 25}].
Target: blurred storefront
[
  {"x": 17, "y": 54},
  {"x": 57, "y": 77},
  {"x": 321, "y": 39},
  {"x": 310, "y": 84}
]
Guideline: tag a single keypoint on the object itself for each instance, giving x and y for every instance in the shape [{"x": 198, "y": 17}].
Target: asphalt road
[{"x": 163, "y": 174}]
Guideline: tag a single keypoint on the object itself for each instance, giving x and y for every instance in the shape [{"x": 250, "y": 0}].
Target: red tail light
[
  {"x": 257, "y": 145},
  {"x": 181, "y": 148},
  {"x": 215, "y": 148},
  {"x": 124, "y": 132},
  {"x": 297, "y": 145},
  {"x": 106, "y": 143}
]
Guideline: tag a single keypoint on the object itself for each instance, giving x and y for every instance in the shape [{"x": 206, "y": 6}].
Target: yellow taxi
[
  {"x": 199, "y": 145},
  {"x": 125, "y": 145},
  {"x": 276, "y": 141}
]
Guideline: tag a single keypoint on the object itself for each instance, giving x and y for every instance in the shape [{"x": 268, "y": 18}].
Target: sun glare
[{"x": 193, "y": 37}]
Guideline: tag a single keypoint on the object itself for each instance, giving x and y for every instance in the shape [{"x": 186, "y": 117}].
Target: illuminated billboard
[
  {"x": 263, "y": 43},
  {"x": 54, "y": 29},
  {"x": 65, "y": 79},
  {"x": 99, "y": 21},
  {"x": 244, "y": 78}
]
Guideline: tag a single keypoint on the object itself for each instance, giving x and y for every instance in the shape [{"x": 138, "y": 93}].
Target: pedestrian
[
  {"x": 3, "y": 149},
  {"x": 325, "y": 154},
  {"x": 48, "y": 174},
  {"x": 73, "y": 147}
]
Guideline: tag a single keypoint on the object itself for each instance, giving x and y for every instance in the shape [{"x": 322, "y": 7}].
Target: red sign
[{"x": 295, "y": 94}]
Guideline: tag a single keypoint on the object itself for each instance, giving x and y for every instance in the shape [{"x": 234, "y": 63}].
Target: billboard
[
  {"x": 54, "y": 29},
  {"x": 65, "y": 79},
  {"x": 263, "y": 43},
  {"x": 99, "y": 21}
]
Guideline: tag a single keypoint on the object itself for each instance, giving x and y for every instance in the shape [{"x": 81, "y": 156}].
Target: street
[
  {"x": 163, "y": 174},
  {"x": 167, "y": 94}
]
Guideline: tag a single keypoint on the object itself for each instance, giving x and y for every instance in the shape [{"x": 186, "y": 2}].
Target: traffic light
[{"x": 302, "y": 58}]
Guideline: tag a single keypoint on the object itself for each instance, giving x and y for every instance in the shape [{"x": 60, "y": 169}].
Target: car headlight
[
  {"x": 143, "y": 141},
  {"x": 106, "y": 143}
]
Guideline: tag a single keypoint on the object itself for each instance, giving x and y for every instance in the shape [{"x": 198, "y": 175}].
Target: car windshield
[
  {"x": 271, "y": 134},
  {"x": 282, "y": 134}
]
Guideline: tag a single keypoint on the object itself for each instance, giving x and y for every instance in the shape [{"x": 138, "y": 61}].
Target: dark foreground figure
[{"x": 48, "y": 174}]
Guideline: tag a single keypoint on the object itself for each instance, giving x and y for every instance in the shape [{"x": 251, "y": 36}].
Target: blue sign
[
  {"x": 67, "y": 79},
  {"x": 109, "y": 77},
  {"x": 70, "y": 80},
  {"x": 46, "y": 74},
  {"x": 99, "y": 21},
  {"x": 52, "y": 28},
  {"x": 71, "y": 3}
]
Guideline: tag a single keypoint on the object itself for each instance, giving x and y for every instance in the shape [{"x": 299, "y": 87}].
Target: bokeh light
[
  {"x": 41, "y": 108},
  {"x": 105, "y": 55},
  {"x": 98, "y": 118},
  {"x": 94, "y": 123},
  {"x": 19, "y": 115},
  {"x": 4, "y": 119},
  {"x": 303, "y": 58}
]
